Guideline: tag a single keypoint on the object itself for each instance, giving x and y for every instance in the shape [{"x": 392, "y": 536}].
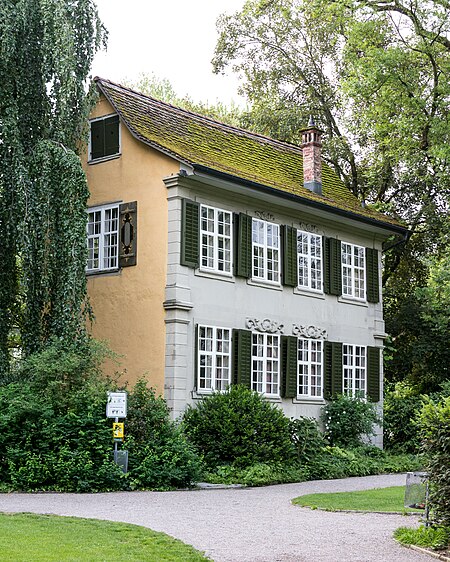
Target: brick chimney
[{"x": 312, "y": 163}]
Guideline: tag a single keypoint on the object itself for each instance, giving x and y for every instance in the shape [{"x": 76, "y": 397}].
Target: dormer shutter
[
  {"x": 111, "y": 135},
  {"x": 128, "y": 234}
]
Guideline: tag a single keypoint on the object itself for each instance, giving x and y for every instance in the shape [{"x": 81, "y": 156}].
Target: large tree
[{"x": 46, "y": 50}]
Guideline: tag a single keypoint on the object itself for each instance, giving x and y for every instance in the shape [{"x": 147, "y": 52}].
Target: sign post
[{"x": 116, "y": 407}]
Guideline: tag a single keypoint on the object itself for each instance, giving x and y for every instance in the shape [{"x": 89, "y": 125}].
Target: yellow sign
[{"x": 118, "y": 430}]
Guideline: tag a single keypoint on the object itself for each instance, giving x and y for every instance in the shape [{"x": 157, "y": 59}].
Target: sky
[{"x": 174, "y": 39}]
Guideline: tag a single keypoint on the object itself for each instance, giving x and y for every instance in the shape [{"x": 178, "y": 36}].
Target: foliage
[
  {"x": 347, "y": 420},
  {"x": 375, "y": 500},
  {"x": 159, "y": 455},
  {"x": 46, "y": 47},
  {"x": 26, "y": 536},
  {"x": 437, "y": 538},
  {"x": 238, "y": 427},
  {"x": 258, "y": 474},
  {"x": 435, "y": 432},
  {"x": 307, "y": 438}
]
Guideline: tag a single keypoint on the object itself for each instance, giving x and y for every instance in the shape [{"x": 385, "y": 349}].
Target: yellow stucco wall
[{"x": 128, "y": 305}]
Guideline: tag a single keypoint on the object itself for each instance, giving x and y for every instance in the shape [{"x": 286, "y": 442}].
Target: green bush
[
  {"x": 401, "y": 409},
  {"x": 159, "y": 455},
  {"x": 348, "y": 420},
  {"x": 238, "y": 427},
  {"x": 434, "y": 423},
  {"x": 307, "y": 438}
]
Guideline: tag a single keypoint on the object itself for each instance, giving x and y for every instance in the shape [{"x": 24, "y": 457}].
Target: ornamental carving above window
[
  {"x": 264, "y": 216},
  {"x": 312, "y": 228},
  {"x": 265, "y": 325},
  {"x": 313, "y": 332}
]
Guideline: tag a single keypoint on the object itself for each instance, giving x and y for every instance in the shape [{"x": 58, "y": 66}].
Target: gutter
[{"x": 308, "y": 202}]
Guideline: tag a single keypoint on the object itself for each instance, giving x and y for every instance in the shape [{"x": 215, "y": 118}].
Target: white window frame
[
  {"x": 216, "y": 360},
  {"x": 210, "y": 251},
  {"x": 310, "y": 368},
  {"x": 313, "y": 264},
  {"x": 266, "y": 255},
  {"x": 105, "y": 262},
  {"x": 110, "y": 156},
  {"x": 353, "y": 264},
  {"x": 354, "y": 370},
  {"x": 266, "y": 370}
]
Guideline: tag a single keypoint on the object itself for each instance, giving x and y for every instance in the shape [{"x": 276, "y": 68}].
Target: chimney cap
[{"x": 311, "y": 126}]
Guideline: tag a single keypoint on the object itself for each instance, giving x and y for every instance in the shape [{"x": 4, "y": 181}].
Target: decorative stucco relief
[
  {"x": 313, "y": 332},
  {"x": 265, "y": 216},
  {"x": 265, "y": 325},
  {"x": 309, "y": 228}
]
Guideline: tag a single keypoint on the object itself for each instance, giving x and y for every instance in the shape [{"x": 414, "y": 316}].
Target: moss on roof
[{"x": 195, "y": 139}]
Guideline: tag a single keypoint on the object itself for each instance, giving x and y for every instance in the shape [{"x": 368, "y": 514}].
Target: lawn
[
  {"x": 25, "y": 537},
  {"x": 379, "y": 499}
]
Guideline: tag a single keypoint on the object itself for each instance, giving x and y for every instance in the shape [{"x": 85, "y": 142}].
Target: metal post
[{"x": 115, "y": 444}]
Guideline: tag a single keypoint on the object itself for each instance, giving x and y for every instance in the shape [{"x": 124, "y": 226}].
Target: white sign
[{"x": 116, "y": 407}]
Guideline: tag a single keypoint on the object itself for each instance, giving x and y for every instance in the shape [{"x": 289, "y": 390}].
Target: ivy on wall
[{"x": 46, "y": 50}]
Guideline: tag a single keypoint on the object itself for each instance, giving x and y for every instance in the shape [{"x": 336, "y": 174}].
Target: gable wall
[{"x": 128, "y": 304}]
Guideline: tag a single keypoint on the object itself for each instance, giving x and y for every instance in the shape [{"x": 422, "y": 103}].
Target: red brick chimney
[{"x": 312, "y": 162}]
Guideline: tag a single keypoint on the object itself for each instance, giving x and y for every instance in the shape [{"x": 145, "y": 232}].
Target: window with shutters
[
  {"x": 310, "y": 368},
  {"x": 354, "y": 370},
  {"x": 216, "y": 240},
  {"x": 266, "y": 363},
  {"x": 103, "y": 238},
  {"x": 265, "y": 251},
  {"x": 104, "y": 137},
  {"x": 309, "y": 253},
  {"x": 214, "y": 358},
  {"x": 353, "y": 271}
]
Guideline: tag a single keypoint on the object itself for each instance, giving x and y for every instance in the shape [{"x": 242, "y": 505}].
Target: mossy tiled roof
[{"x": 198, "y": 140}]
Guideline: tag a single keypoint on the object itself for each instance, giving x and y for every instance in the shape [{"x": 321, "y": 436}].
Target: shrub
[
  {"x": 238, "y": 427},
  {"x": 434, "y": 424},
  {"x": 347, "y": 420},
  {"x": 401, "y": 408},
  {"x": 307, "y": 438},
  {"x": 159, "y": 455}
]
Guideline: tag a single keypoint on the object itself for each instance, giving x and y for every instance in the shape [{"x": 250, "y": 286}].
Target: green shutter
[
  {"x": 190, "y": 233},
  {"x": 372, "y": 275},
  {"x": 243, "y": 245},
  {"x": 373, "y": 374},
  {"x": 97, "y": 139},
  {"x": 128, "y": 234},
  {"x": 111, "y": 135},
  {"x": 333, "y": 369},
  {"x": 242, "y": 357},
  {"x": 290, "y": 260},
  {"x": 332, "y": 266},
  {"x": 289, "y": 366}
]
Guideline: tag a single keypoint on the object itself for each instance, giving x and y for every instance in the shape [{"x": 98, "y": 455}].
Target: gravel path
[{"x": 246, "y": 525}]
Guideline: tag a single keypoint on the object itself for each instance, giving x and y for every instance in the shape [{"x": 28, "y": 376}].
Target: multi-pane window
[
  {"x": 309, "y": 252},
  {"x": 214, "y": 358},
  {"x": 310, "y": 371},
  {"x": 265, "y": 251},
  {"x": 354, "y": 369},
  {"x": 215, "y": 232},
  {"x": 353, "y": 271},
  {"x": 103, "y": 238},
  {"x": 266, "y": 363}
]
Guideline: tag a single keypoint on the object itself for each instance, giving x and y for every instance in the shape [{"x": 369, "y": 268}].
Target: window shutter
[
  {"x": 111, "y": 135},
  {"x": 372, "y": 275},
  {"x": 243, "y": 245},
  {"x": 128, "y": 234},
  {"x": 332, "y": 266},
  {"x": 97, "y": 139},
  {"x": 333, "y": 369},
  {"x": 290, "y": 268},
  {"x": 242, "y": 357},
  {"x": 289, "y": 366},
  {"x": 373, "y": 374},
  {"x": 190, "y": 233},
  {"x": 196, "y": 373}
]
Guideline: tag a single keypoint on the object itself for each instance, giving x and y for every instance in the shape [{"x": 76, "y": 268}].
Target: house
[{"x": 220, "y": 256}]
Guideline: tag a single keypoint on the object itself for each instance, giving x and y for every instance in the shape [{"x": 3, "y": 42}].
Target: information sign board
[{"x": 116, "y": 406}]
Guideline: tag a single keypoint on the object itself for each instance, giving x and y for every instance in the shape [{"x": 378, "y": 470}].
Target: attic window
[{"x": 104, "y": 137}]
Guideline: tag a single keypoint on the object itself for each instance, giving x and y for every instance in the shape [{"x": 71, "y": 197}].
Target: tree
[{"x": 46, "y": 49}]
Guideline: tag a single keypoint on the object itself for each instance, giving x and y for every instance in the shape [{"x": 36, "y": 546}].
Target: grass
[
  {"x": 49, "y": 538},
  {"x": 427, "y": 537},
  {"x": 379, "y": 499}
]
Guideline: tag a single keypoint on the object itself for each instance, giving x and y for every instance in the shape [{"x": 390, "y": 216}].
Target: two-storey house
[{"x": 219, "y": 256}]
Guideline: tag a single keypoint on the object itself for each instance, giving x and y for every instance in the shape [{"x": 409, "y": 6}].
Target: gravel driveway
[{"x": 250, "y": 524}]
